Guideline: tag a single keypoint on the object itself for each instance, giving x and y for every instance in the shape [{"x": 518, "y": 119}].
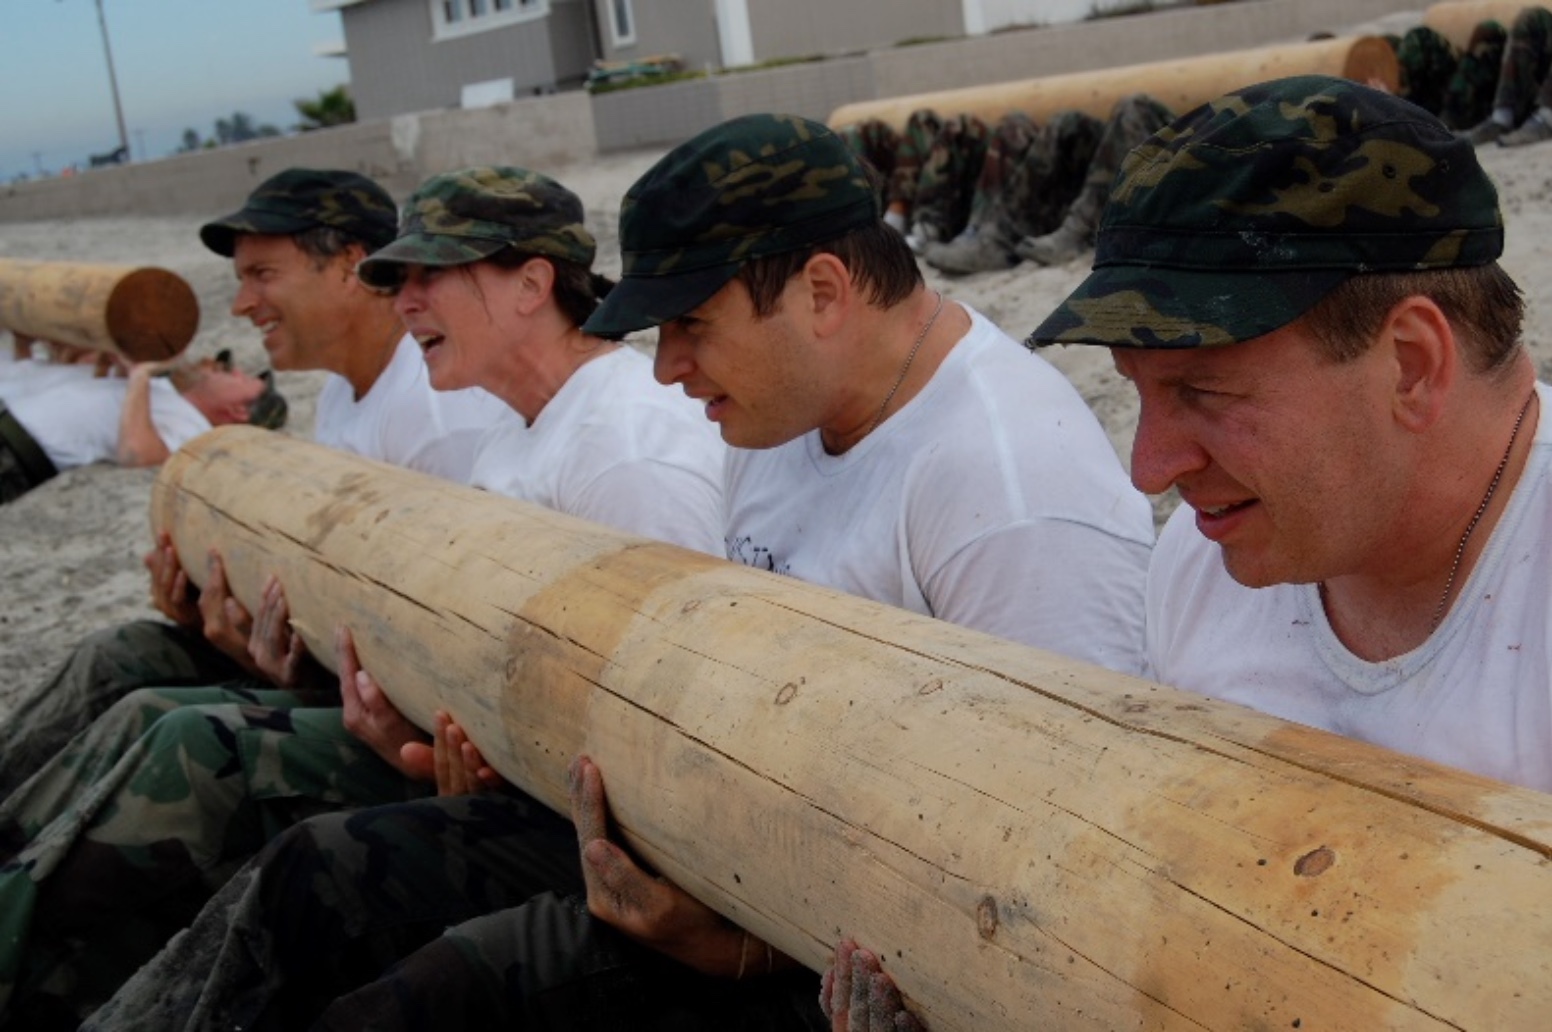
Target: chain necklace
[
  {"x": 907, "y": 367},
  {"x": 1492, "y": 488}
]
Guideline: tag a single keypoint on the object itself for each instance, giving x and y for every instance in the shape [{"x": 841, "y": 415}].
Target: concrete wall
[
  {"x": 536, "y": 132},
  {"x": 549, "y": 132}
]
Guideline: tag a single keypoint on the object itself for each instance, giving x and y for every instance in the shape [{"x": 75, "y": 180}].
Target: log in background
[
  {"x": 1181, "y": 84},
  {"x": 144, "y": 314},
  {"x": 1031, "y": 842}
]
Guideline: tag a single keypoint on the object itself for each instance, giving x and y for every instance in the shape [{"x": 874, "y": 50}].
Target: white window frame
[
  {"x": 471, "y": 23},
  {"x": 629, "y": 38}
]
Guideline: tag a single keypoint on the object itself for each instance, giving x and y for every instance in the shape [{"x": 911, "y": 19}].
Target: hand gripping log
[{"x": 1030, "y": 841}]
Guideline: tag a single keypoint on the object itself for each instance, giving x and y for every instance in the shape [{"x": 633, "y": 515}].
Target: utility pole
[{"x": 113, "y": 80}]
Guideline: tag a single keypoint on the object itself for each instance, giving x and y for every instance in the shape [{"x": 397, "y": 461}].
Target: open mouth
[
  {"x": 1216, "y": 521},
  {"x": 429, "y": 342}
]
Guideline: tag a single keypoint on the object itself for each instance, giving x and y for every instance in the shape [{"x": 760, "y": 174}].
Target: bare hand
[
  {"x": 857, "y": 996},
  {"x": 171, "y": 591},
  {"x": 459, "y": 766},
  {"x": 277, "y": 650},
  {"x": 372, "y": 718},
  {"x": 227, "y": 624},
  {"x": 651, "y": 910}
]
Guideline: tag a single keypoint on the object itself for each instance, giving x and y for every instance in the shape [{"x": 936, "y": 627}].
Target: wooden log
[
  {"x": 1033, "y": 842},
  {"x": 1181, "y": 84},
  {"x": 1455, "y": 20},
  {"x": 143, "y": 314}
]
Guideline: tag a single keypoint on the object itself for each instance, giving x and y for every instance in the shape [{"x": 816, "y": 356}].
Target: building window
[
  {"x": 453, "y": 18},
  {"x": 622, "y": 22}
]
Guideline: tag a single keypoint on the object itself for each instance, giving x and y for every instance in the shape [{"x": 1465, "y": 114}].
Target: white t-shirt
[
  {"x": 1476, "y": 695},
  {"x": 993, "y": 500},
  {"x": 615, "y": 447},
  {"x": 404, "y": 421},
  {"x": 74, "y": 415}
]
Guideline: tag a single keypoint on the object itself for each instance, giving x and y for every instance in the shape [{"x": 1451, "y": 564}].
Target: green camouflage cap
[
  {"x": 1238, "y": 217},
  {"x": 756, "y": 186},
  {"x": 460, "y": 217},
  {"x": 300, "y": 199},
  {"x": 269, "y": 409}
]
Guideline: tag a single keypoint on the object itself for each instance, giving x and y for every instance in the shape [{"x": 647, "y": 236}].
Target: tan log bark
[
  {"x": 1033, "y": 842},
  {"x": 142, "y": 314},
  {"x": 1180, "y": 84},
  {"x": 1455, "y": 20}
]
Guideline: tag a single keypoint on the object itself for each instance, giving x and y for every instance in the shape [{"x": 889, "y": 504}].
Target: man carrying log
[
  {"x": 294, "y": 244},
  {"x": 887, "y": 441},
  {"x": 59, "y": 417},
  {"x": 1301, "y": 281}
]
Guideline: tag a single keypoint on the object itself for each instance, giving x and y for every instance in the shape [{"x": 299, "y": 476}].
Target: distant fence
[{"x": 547, "y": 132}]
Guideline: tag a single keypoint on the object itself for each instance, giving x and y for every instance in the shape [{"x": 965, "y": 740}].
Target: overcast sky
[{"x": 180, "y": 63}]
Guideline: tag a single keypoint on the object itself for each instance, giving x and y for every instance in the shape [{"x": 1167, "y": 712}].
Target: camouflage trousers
[
  {"x": 118, "y": 840},
  {"x": 1523, "y": 81},
  {"x": 104, "y": 667},
  {"x": 336, "y": 900},
  {"x": 549, "y": 964},
  {"x": 1014, "y": 178},
  {"x": 1458, "y": 86}
]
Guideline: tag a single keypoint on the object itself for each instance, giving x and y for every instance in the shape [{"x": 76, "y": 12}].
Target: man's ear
[
  {"x": 346, "y": 262},
  {"x": 1427, "y": 360},
  {"x": 830, "y": 292}
]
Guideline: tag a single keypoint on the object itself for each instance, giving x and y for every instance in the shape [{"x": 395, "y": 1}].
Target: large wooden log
[
  {"x": 1035, "y": 842},
  {"x": 143, "y": 314},
  {"x": 1455, "y": 20},
  {"x": 1182, "y": 84}
]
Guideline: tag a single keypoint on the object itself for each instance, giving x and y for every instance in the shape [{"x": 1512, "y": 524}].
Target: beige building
[{"x": 417, "y": 55}]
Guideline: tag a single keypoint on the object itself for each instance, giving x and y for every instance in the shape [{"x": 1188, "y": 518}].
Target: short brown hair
[
  {"x": 876, "y": 256},
  {"x": 1484, "y": 307}
]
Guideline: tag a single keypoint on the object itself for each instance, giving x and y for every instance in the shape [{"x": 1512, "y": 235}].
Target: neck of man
[
  {"x": 366, "y": 348},
  {"x": 890, "y": 368},
  {"x": 1393, "y": 606}
]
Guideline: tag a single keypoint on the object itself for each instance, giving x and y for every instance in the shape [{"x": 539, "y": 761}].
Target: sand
[{"x": 70, "y": 550}]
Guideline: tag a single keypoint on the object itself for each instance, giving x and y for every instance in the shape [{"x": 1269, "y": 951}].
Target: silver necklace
[
  {"x": 907, "y": 367},
  {"x": 1492, "y": 488}
]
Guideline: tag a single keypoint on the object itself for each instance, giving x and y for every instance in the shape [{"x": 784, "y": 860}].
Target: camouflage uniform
[
  {"x": 1045, "y": 206},
  {"x": 103, "y": 668},
  {"x": 1456, "y": 86},
  {"x": 119, "y": 839},
  {"x": 1523, "y": 82}
]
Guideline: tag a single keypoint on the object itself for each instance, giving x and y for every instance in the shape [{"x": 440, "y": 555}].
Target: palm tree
[{"x": 332, "y": 107}]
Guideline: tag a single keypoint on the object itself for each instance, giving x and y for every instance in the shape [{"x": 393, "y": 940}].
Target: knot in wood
[
  {"x": 986, "y": 917},
  {"x": 1314, "y": 863},
  {"x": 934, "y": 685},
  {"x": 788, "y": 692}
]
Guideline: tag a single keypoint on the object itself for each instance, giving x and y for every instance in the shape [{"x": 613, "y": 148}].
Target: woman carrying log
[{"x": 492, "y": 273}]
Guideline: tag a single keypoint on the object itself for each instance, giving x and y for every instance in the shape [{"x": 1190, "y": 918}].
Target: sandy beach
[{"x": 70, "y": 550}]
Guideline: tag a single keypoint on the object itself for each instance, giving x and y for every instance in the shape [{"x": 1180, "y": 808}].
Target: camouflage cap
[
  {"x": 300, "y": 199},
  {"x": 269, "y": 409},
  {"x": 1238, "y": 217},
  {"x": 460, "y": 217},
  {"x": 755, "y": 186}
]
